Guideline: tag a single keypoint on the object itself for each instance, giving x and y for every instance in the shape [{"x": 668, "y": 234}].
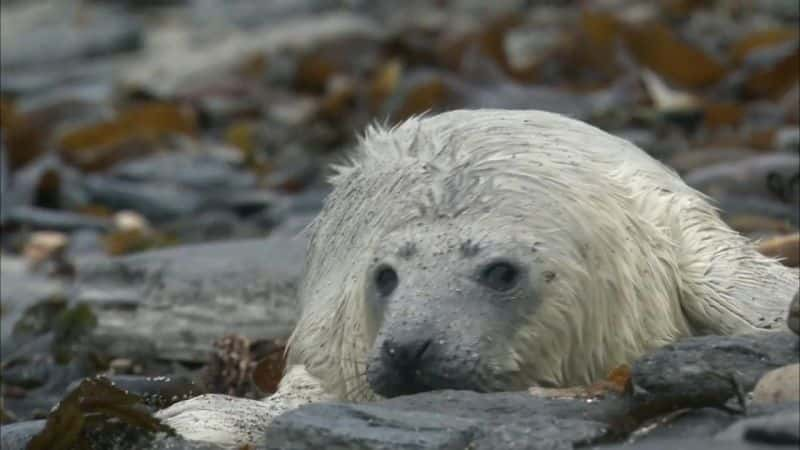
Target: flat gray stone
[
  {"x": 708, "y": 371},
  {"x": 177, "y": 301},
  {"x": 446, "y": 420}
]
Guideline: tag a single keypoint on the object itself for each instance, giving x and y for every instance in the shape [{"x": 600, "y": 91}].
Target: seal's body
[{"x": 495, "y": 250}]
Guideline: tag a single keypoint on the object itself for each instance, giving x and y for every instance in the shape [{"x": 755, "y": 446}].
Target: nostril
[
  {"x": 406, "y": 355},
  {"x": 422, "y": 349}
]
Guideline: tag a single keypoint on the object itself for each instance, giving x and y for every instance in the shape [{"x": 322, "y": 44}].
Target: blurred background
[{"x": 128, "y": 126}]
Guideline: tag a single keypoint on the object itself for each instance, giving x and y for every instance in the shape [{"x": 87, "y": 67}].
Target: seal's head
[
  {"x": 443, "y": 298},
  {"x": 496, "y": 250}
]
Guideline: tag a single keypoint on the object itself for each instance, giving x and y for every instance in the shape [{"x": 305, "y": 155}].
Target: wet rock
[
  {"x": 768, "y": 176},
  {"x": 688, "y": 161},
  {"x": 157, "y": 201},
  {"x": 50, "y": 219},
  {"x": 732, "y": 205},
  {"x": 176, "y": 56},
  {"x": 793, "y": 319},
  {"x": 170, "y": 186},
  {"x": 85, "y": 243},
  {"x": 711, "y": 429},
  {"x": 446, "y": 419},
  {"x": 15, "y": 436},
  {"x": 777, "y": 426},
  {"x": 210, "y": 226},
  {"x": 689, "y": 424},
  {"x": 55, "y": 33},
  {"x": 181, "y": 299},
  {"x": 45, "y": 245},
  {"x": 788, "y": 139},
  {"x": 778, "y": 386},
  {"x": 203, "y": 172},
  {"x": 5, "y": 171},
  {"x": 47, "y": 182},
  {"x": 21, "y": 290},
  {"x": 708, "y": 370}
]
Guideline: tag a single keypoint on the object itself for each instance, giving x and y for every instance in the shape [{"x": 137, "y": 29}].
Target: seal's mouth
[{"x": 418, "y": 365}]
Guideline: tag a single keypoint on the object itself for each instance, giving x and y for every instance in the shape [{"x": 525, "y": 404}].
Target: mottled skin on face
[{"x": 494, "y": 250}]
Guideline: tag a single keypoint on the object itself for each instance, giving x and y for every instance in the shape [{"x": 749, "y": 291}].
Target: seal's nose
[
  {"x": 406, "y": 355},
  {"x": 401, "y": 367}
]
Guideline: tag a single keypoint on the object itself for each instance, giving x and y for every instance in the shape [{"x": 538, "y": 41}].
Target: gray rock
[
  {"x": 678, "y": 443},
  {"x": 21, "y": 290},
  {"x": 708, "y": 370},
  {"x": 52, "y": 219},
  {"x": 5, "y": 191},
  {"x": 15, "y": 436},
  {"x": 793, "y": 319},
  {"x": 157, "y": 201},
  {"x": 210, "y": 226},
  {"x": 751, "y": 176},
  {"x": 198, "y": 171},
  {"x": 780, "y": 427},
  {"x": 732, "y": 205},
  {"x": 444, "y": 420},
  {"x": 710, "y": 429},
  {"x": 177, "y": 301},
  {"x": 60, "y": 32}
]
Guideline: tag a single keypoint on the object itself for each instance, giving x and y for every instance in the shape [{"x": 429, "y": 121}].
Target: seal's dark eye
[
  {"x": 500, "y": 276},
  {"x": 385, "y": 280}
]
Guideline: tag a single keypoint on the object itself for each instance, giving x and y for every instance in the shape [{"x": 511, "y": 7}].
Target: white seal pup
[{"x": 494, "y": 250}]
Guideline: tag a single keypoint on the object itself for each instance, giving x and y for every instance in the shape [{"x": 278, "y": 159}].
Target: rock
[
  {"x": 21, "y": 290},
  {"x": 689, "y": 424},
  {"x": 712, "y": 429},
  {"x": 174, "y": 56},
  {"x": 15, "y": 436},
  {"x": 793, "y": 319},
  {"x": 51, "y": 219},
  {"x": 197, "y": 171},
  {"x": 209, "y": 226},
  {"x": 446, "y": 419},
  {"x": 733, "y": 205},
  {"x": 131, "y": 221},
  {"x": 708, "y": 370},
  {"x": 778, "y": 427},
  {"x": 778, "y": 386},
  {"x": 787, "y": 248},
  {"x": 788, "y": 139},
  {"x": 759, "y": 175},
  {"x": 168, "y": 186},
  {"x": 55, "y": 33},
  {"x": 85, "y": 243},
  {"x": 45, "y": 245},
  {"x": 46, "y": 182},
  {"x": 181, "y": 299},
  {"x": 696, "y": 159},
  {"x": 156, "y": 201},
  {"x": 5, "y": 172}
]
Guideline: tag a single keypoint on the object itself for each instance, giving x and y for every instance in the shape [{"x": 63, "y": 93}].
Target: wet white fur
[{"x": 642, "y": 258}]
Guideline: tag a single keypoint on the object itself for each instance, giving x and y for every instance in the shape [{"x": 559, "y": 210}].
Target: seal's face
[{"x": 444, "y": 310}]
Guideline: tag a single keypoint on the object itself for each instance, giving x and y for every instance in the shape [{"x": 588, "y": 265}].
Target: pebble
[{"x": 778, "y": 386}]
